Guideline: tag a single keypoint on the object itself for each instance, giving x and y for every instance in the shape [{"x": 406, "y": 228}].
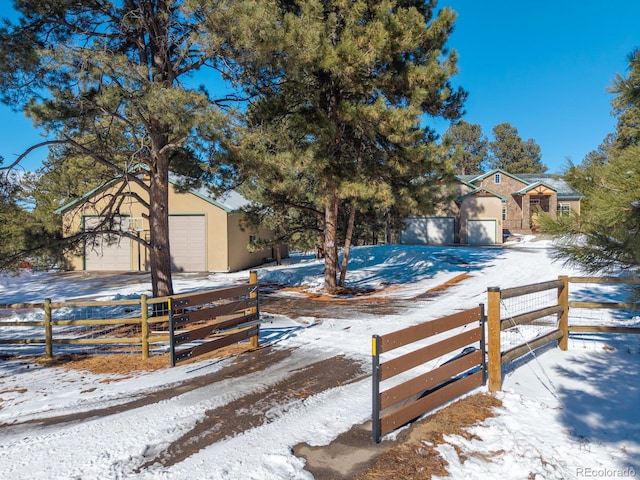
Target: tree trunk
[
  {"x": 159, "y": 251},
  {"x": 347, "y": 242},
  {"x": 330, "y": 233},
  {"x": 278, "y": 254}
]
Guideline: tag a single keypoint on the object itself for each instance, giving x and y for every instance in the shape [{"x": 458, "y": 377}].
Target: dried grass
[
  {"x": 123, "y": 364},
  {"x": 417, "y": 457},
  {"x": 449, "y": 283}
]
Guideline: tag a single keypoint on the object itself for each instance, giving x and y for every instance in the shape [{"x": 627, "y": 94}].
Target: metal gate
[
  {"x": 423, "y": 391},
  {"x": 202, "y": 322}
]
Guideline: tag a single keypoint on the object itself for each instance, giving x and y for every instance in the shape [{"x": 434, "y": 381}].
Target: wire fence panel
[{"x": 514, "y": 308}]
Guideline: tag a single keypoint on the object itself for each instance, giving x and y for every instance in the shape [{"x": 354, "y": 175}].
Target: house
[
  {"x": 205, "y": 233},
  {"x": 492, "y": 206}
]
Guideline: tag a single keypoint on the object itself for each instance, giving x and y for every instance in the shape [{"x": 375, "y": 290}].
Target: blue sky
[{"x": 543, "y": 66}]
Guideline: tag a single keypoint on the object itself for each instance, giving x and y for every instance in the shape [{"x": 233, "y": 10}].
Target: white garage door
[
  {"x": 440, "y": 230},
  {"x": 481, "y": 232},
  {"x": 106, "y": 252},
  {"x": 187, "y": 238},
  {"x": 429, "y": 231}
]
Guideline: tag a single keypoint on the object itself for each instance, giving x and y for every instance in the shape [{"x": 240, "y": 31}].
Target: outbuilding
[{"x": 206, "y": 233}]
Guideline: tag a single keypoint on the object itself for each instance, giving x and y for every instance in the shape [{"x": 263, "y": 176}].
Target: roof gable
[
  {"x": 229, "y": 201},
  {"x": 478, "y": 190},
  {"x": 529, "y": 180},
  {"x": 537, "y": 187},
  {"x": 482, "y": 176}
]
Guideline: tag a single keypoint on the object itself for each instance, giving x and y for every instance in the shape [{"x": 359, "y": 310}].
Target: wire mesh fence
[
  {"x": 512, "y": 308},
  {"x": 133, "y": 325}
]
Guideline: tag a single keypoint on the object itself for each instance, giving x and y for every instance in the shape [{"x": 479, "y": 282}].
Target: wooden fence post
[
  {"x": 253, "y": 280},
  {"x": 563, "y": 324},
  {"x": 48, "y": 329},
  {"x": 144, "y": 319},
  {"x": 494, "y": 357}
]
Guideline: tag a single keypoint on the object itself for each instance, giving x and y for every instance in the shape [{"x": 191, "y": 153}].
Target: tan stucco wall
[
  {"x": 480, "y": 207},
  {"x": 240, "y": 257},
  {"x": 575, "y": 204}
]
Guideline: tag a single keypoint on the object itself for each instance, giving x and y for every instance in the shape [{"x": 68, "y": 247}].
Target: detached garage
[{"x": 205, "y": 233}]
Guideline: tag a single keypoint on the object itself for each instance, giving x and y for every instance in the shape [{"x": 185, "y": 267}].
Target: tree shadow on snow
[{"x": 606, "y": 406}]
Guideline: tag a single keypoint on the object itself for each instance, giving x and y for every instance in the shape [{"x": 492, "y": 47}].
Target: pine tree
[
  {"x": 107, "y": 80},
  {"x": 510, "y": 153},
  {"x": 12, "y": 217},
  {"x": 606, "y": 236},
  {"x": 466, "y": 147},
  {"x": 346, "y": 85}
]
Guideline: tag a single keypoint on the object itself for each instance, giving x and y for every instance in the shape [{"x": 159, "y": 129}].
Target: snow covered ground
[{"x": 565, "y": 415}]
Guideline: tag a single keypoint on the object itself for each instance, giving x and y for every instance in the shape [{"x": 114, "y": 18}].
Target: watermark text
[{"x": 587, "y": 472}]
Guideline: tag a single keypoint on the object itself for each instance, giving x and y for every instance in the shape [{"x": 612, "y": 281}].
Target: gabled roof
[
  {"x": 477, "y": 190},
  {"x": 554, "y": 182},
  {"x": 564, "y": 190},
  {"x": 482, "y": 176},
  {"x": 533, "y": 186},
  {"x": 230, "y": 201}
]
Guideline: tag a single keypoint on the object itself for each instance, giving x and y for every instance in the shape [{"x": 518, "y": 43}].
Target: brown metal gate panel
[
  {"x": 205, "y": 321},
  {"x": 403, "y": 403}
]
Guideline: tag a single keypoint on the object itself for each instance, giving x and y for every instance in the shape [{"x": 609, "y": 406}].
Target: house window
[
  {"x": 534, "y": 201},
  {"x": 252, "y": 239},
  {"x": 564, "y": 209},
  {"x": 496, "y": 178},
  {"x": 504, "y": 212}
]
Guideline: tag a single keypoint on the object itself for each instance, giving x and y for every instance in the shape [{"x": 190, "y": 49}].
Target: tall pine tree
[
  {"x": 512, "y": 154},
  {"x": 108, "y": 80},
  {"x": 466, "y": 147},
  {"x": 349, "y": 84},
  {"x": 606, "y": 236}
]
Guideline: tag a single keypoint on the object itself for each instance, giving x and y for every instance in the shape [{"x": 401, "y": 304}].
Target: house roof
[
  {"x": 533, "y": 186},
  {"x": 480, "y": 189},
  {"x": 554, "y": 182},
  {"x": 230, "y": 201}
]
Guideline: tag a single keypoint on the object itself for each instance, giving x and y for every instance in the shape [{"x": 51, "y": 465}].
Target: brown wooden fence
[
  {"x": 575, "y": 306},
  {"x": 402, "y": 403},
  {"x": 112, "y": 325},
  {"x": 203, "y": 322},
  {"x": 564, "y": 309},
  {"x": 86, "y": 323},
  {"x": 498, "y": 323}
]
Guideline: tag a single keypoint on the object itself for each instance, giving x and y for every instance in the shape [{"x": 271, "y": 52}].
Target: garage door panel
[
  {"x": 440, "y": 231},
  {"x": 429, "y": 231},
  {"x": 187, "y": 238},
  {"x": 107, "y": 252},
  {"x": 481, "y": 232},
  {"x": 415, "y": 232}
]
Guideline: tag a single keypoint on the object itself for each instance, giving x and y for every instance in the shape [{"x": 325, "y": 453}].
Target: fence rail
[
  {"x": 406, "y": 401},
  {"x": 497, "y": 323},
  {"x": 563, "y": 309},
  {"x": 141, "y": 322},
  {"x": 605, "y": 305},
  {"x": 199, "y": 324}
]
